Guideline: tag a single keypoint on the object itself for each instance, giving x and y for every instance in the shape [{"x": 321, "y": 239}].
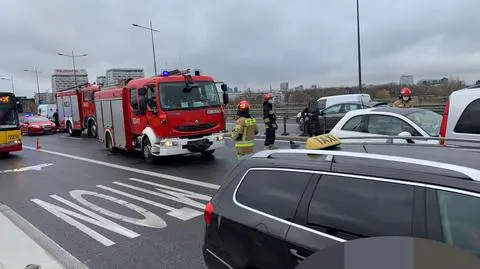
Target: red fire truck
[
  {"x": 76, "y": 109},
  {"x": 172, "y": 114}
]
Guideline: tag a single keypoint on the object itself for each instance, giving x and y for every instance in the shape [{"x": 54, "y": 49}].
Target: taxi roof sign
[{"x": 324, "y": 141}]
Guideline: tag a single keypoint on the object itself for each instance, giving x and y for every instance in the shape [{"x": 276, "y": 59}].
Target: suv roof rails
[{"x": 474, "y": 174}]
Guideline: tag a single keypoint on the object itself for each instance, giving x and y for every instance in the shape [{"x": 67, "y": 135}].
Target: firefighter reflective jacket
[
  {"x": 402, "y": 104},
  {"x": 243, "y": 134}
]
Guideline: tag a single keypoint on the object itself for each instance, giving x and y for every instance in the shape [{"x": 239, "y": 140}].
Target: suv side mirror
[
  {"x": 225, "y": 98},
  {"x": 224, "y": 87},
  {"x": 142, "y": 91}
]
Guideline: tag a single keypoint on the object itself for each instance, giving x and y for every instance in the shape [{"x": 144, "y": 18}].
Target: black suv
[{"x": 280, "y": 206}]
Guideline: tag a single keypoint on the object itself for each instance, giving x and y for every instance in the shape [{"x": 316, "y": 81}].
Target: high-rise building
[
  {"x": 406, "y": 80},
  {"x": 101, "y": 80},
  {"x": 65, "y": 78},
  {"x": 284, "y": 86},
  {"x": 299, "y": 88},
  {"x": 115, "y": 76}
]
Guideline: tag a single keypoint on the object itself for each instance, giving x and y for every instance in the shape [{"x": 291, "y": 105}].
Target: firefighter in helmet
[
  {"x": 405, "y": 99},
  {"x": 245, "y": 130},
  {"x": 270, "y": 120}
]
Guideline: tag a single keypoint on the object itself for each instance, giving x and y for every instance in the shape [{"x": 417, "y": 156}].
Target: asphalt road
[{"x": 114, "y": 210}]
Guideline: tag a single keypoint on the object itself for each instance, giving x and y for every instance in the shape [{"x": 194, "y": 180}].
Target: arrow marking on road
[{"x": 28, "y": 168}]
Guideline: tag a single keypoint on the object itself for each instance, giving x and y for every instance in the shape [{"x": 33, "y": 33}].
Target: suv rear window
[
  {"x": 275, "y": 192},
  {"x": 354, "y": 208},
  {"x": 468, "y": 122}
]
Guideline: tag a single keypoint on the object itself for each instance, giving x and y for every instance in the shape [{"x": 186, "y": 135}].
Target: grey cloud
[{"x": 253, "y": 43}]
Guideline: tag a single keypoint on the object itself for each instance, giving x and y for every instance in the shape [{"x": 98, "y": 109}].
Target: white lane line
[
  {"x": 131, "y": 169},
  {"x": 47, "y": 245}
]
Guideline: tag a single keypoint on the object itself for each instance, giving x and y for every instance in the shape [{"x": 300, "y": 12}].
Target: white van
[
  {"x": 328, "y": 101},
  {"x": 47, "y": 110},
  {"x": 461, "y": 115}
]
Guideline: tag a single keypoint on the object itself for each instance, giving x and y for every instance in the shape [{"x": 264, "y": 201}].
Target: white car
[
  {"x": 461, "y": 115},
  {"x": 389, "y": 121}
]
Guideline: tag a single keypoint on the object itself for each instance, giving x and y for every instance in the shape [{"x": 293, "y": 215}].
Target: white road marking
[
  {"x": 28, "y": 168},
  {"x": 184, "y": 213},
  {"x": 183, "y": 200},
  {"x": 131, "y": 169},
  {"x": 93, "y": 218},
  {"x": 150, "y": 220}
]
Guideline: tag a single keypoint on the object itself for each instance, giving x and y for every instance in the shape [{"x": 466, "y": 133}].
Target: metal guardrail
[{"x": 294, "y": 109}]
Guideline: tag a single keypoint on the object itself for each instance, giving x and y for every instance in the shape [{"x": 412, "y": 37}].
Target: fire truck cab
[
  {"x": 171, "y": 114},
  {"x": 76, "y": 109}
]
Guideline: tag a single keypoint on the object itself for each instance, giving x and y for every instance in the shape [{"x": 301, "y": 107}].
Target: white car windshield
[{"x": 427, "y": 120}]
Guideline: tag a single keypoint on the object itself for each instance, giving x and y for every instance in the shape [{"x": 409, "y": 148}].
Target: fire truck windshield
[{"x": 173, "y": 96}]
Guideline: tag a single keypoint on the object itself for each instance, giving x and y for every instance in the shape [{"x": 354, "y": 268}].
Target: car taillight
[
  {"x": 443, "y": 126},
  {"x": 207, "y": 213}
]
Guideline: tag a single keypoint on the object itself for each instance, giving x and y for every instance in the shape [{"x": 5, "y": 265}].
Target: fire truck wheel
[
  {"x": 109, "y": 144},
  {"x": 92, "y": 129},
  {"x": 70, "y": 129},
  {"x": 147, "y": 152}
]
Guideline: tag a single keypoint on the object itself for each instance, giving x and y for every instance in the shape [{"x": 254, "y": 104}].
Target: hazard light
[{"x": 165, "y": 73}]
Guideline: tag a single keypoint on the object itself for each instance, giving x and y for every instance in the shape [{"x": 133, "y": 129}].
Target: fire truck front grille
[{"x": 192, "y": 128}]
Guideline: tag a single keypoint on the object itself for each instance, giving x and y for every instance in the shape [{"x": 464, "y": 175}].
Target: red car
[{"x": 37, "y": 125}]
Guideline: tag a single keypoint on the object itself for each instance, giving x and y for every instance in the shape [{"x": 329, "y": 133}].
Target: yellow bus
[{"x": 10, "y": 135}]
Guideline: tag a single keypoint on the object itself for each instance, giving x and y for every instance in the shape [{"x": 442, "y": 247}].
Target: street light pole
[
  {"x": 74, "y": 70},
  {"x": 73, "y": 56},
  {"x": 11, "y": 80},
  {"x": 36, "y": 75},
  {"x": 153, "y": 43},
  {"x": 358, "y": 47}
]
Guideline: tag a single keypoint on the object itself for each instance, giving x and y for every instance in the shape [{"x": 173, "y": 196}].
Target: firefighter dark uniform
[
  {"x": 405, "y": 99},
  {"x": 244, "y": 131},
  {"x": 270, "y": 120},
  {"x": 311, "y": 122}
]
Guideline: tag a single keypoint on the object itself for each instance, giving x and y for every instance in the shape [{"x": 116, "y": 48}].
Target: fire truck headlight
[
  {"x": 168, "y": 144},
  {"x": 220, "y": 138}
]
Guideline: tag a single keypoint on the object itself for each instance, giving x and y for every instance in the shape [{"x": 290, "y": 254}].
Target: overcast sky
[{"x": 252, "y": 43}]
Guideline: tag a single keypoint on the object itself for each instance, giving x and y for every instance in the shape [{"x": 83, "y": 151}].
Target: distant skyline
[{"x": 244, "y": 43}]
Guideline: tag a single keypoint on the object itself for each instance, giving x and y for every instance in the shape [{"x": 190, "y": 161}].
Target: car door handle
[{"x": 294, "y": 252}]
